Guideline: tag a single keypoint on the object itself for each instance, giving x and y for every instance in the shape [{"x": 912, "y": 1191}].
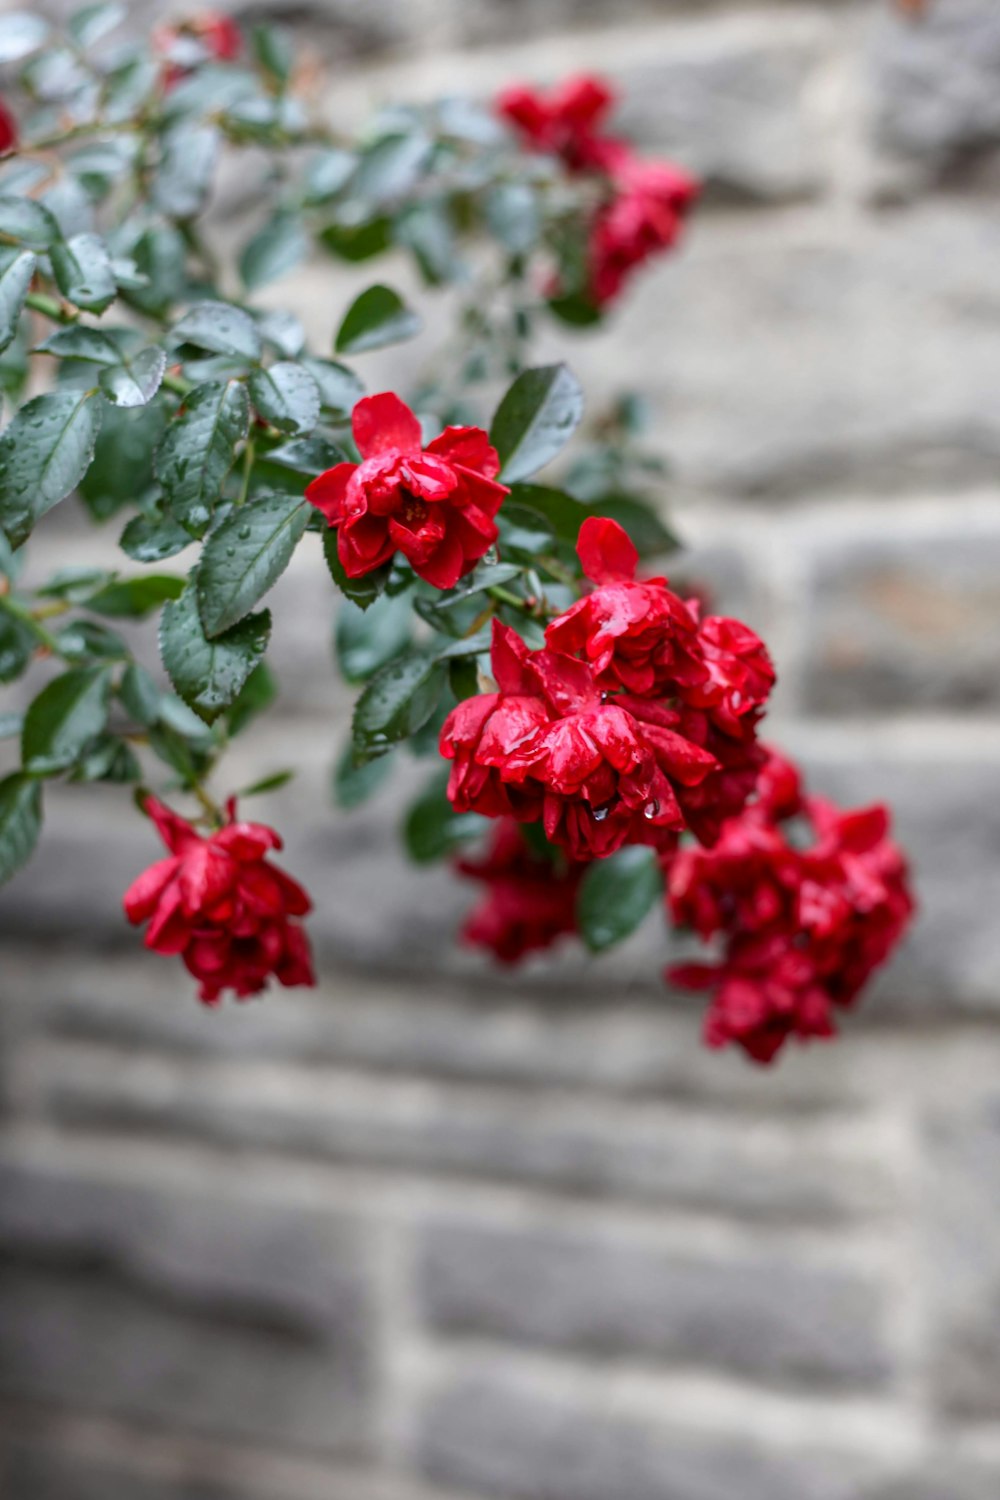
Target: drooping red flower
[
  {"x": 530, "y": 901},
  {"x": 565, "y": 122},
  {"x": 809, "y": 899},
  {"x": 638, "y": 636},
  {"x": 436, "y": 505},
  {"x": 8, "y": 130},
  {"x": 643, "y": 217},
  {"x": 219, "y": 903},
  {"x": 548, "y": 744}
]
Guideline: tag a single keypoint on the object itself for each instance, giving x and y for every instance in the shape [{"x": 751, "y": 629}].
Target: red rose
[
  {"x": 435, "y": 505},
  {"x": 8, "y": 130},
  {"x": 530, "y": 900},
  {"x": 548, "y": 743},
  {"x": 643, "y": 217},
  {"x": 637, "y": 636},
  {"x": 805, "y": 923},
  {"x": 564, "y": 122},
  {"x": 220, "y": 904}
]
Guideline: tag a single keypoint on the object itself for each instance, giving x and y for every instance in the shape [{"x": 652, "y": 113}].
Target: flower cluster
[
  {"x": 435, "y": 505},
  {"x": 643, "y": 204},
  {"x": 530, "y": 899},
  {"x": 560, "y": 741},
  {"x": 206, "y": 33},
  {"x": 219, "y": 903},
  {"x": 809, "y": 899}
]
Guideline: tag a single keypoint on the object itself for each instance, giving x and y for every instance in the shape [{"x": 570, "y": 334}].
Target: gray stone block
[
  {"x": 961, "y": 1256},
  {"x": 525, "y": 1441},
  {"x": 899, "y": 620},
  {"x": 185, "y": 1302},
  {"x": 936, "y": 84},
  {"x": 774, "y": 1315}
]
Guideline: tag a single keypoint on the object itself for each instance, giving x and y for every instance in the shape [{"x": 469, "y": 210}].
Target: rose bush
[{"x": 601, "y": 728}]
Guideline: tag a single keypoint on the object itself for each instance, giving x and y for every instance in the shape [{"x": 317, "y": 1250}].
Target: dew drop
[
  {"x": 600, "y": 813},
  {"x": 244, "y": 533},
  {"x": 651, "y": 810}
]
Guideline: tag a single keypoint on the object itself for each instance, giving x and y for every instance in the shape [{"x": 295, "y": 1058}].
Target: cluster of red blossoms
[
  {"x": 635, "y": 722},
  {"x": 220, "y": 904},
  {"x": 643, "y": 203},
  {"x": 530, "y": 898},
  {"x": 809, "y": 899},
  {"x": 435, "y": 505}
]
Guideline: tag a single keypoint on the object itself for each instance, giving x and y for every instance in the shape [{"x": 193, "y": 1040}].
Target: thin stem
[
  {"x": 51, "y": 308},
  {"x": 43, "y": 636}
]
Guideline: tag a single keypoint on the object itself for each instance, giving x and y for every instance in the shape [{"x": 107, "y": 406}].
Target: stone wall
[{"x": 430, "y": 1233}]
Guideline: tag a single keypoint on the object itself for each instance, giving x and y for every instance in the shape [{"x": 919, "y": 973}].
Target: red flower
[
  {"x": 549, "y": 744},
  {"x": 638, "y": 636},
  {"x": 643, "y": 217},
  {"x": 530, "y": 900},
  {"x": 220, "y": 34},
  {"x": 435, "y": 505},
  {"x": 220, "y": 904},
  {"x": 564, "y": 122},
  {"x": 8, "y": 130},
  {"x": 805, "y": 924}
]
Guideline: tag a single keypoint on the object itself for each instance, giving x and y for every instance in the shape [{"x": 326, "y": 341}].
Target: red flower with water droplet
[
  {"x": 219, "y": 903},
  {"x": 8, "y": 130},
  {"x": 810, "y": 901},
  {"x": 548, "y": 744},
  {"x": 638, "y": 636},
  {"x": 530, "y": 899},
  {"x": 435, "y": 505}
]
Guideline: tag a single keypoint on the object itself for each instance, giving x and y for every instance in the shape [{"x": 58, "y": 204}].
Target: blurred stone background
[{"x": 431, "y": 1234}]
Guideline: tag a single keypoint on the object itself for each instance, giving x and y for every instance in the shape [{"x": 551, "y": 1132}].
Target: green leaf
[
  {"x": 67, "y": 714},
  {"x": 366, "y": 639},
  {"x": 576, "y": 310},
  {"x": 287, "y": 396},
  {"x": 376, "y": 318},
  {"x": 182, "y": 183},
  {"x": 139, "y": 695},
  {"x": 136, "y": 380},
  {"x": 221, "y": 328},
  {"x": 524, "y": 532},
  {"x": 339, "y": 388},
  {"x": 271, "y": 783},
  {"x": 257, "y": 694},
  {"x": 361, "y": 591},
  {"x": 309, "y": 456},
  {"x": 150, "y": 540},
  {"x": 160, "y": 255},
  {"x": 28, "y": 222},
  {"x": 199, "y": 449},
  {"x": 274, "y": 251},
  {"x": 616, "y": 894},
  {"x": 87, "y": 641},
  {"x": 208, "y": 674},
  {"x": 427, "y": 230},
  {"x": 18, "y": 644},
  {"x": 245, "y": 557},
  {"x": 91, "y": 23},
  {"x": 432, "y": 828},
  {"x": 358, "y": 242},
  {"x": 512, "y": 212},
  {"x": 396, "y": 703},
  {"x": 535, "y": 419},
  {"x": 122, "y": 469},
  {"x": 564, "y": 514},
  {"x": 273, "y": 51},
  {"x": 20, "y": 35},
  {"x": 326, "y": 174},
  {"x": 20, "y": 823},
  {"x": 44, "y": 454},
  {"x": 390, "y": 168},
  {"x": 82, "y": 268},
  {"x": 353, "y": 784},
  {"x": 80, "y": 342},
  {"x": 16, "y": 270},
  {"x": 134, "y": 598}
]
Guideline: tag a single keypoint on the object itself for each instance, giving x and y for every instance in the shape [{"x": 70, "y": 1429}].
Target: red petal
[
  {"x": 445, "y": 565},
  {"x": 175, "y": 831},
  {"x": 606, "y": 551},
  {"x": 384, "y": 424},
  {"x": 328, "y": 492},
  {"x": 468, "y": 446},
  {"x": 143, "y": 895}
]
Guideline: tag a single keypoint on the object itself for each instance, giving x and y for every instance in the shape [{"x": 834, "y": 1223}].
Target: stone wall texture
[{"x": 433, "y": 1234}]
